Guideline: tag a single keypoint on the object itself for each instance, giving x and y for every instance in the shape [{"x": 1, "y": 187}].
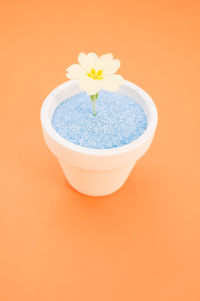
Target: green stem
[
  {"x": 93, "y": 99},
  {"x": 94, "y": 109}
]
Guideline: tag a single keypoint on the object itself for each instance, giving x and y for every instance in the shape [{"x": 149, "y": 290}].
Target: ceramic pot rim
[{"x": 149, "y": 132}]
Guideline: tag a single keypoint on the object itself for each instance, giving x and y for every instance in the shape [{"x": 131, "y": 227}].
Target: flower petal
[
  {"x": 105, "y": 57},
  {"x": 87, "y": 61},
  {"x": 90, "y": 85},
  {"x": 75, "y": 72},
  {"x": 112, "y": 83},
  {"x": 108, "y": 65}
]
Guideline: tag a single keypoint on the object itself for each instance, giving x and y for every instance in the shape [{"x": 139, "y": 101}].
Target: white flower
[{"x": 94, "y": 73}]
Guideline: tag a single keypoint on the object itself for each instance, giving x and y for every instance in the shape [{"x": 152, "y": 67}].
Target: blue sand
[{"x": 119, "y": 120}]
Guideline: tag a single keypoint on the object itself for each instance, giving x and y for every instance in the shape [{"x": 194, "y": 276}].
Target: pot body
[
  {"x": 96, "y": 182},
  {"x": 97, "y": 172}
]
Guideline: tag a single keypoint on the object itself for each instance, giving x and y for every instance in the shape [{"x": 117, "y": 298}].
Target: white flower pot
[{"x": 97, "y": 172}]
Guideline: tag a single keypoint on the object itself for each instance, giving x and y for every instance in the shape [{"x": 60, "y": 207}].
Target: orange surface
[{"x": 143, "y": 242}]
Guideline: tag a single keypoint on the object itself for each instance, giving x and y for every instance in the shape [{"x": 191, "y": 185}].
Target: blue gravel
[{"x": 119, "y": 120}]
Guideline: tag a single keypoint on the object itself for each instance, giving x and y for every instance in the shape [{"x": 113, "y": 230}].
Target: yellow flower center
[{"x": 95, "y": 74}]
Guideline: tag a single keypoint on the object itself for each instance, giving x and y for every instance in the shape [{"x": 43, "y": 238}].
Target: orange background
[{"x": 143, "y": 242}]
